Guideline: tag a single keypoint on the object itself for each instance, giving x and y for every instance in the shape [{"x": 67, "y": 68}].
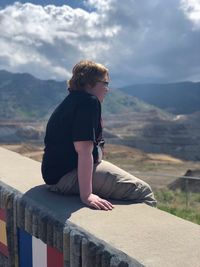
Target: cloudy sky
[{"x": 138, "y": 40}]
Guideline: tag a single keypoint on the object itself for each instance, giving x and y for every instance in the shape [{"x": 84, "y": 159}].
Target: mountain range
[
  {"x": 24, "y": 97},
  {"x": 177, "y": 98}
]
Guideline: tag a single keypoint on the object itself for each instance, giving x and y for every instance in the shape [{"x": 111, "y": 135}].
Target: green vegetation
[
  {"x": 117, "y": 102},
  {"x": 175, "y": 202}
]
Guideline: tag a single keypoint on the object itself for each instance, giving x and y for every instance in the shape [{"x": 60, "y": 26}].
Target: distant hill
[
  {"x": 177, "y": 98},
  {"x": 24, "y": 97},
  {"x": 118, "y": 103}
]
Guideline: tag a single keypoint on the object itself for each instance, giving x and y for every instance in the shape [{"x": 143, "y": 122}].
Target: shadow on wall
[{"x": 60, "y": 206}]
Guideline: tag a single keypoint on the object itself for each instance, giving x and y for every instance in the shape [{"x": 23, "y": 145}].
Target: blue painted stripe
[{"x": 25, "y": 248}]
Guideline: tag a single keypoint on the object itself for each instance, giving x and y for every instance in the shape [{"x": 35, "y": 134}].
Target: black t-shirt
[{"x": 77, "y": 118}]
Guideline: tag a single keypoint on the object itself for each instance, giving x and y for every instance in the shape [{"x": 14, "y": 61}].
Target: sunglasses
[{"x": 104, "y": 82}]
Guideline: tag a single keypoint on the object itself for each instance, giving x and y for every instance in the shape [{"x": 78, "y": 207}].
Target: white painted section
[{"x": 39, "y": 250}]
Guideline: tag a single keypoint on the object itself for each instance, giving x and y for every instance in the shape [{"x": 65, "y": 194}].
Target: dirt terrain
[
  {"x": 158, "y": 170},
  {"x": 176, "y": 135}
]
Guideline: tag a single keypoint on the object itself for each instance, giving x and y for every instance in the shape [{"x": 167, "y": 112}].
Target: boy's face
[{"x": 100, "y": 89}]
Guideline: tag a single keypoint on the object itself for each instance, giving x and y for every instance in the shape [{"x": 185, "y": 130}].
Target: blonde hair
[{"x": 86, "y": 72}]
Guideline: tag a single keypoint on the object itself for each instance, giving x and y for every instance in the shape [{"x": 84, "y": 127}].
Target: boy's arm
[{"x": 85, "y": 169}]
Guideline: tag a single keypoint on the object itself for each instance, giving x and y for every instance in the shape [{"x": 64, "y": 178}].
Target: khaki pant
[{"x": 109, "y": 181}]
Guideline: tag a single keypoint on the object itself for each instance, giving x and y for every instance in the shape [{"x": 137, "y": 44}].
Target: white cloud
[
  {"x": 192, "y": 11},
  {"x": 54, "y": 38},
  {"x": 140, "y": 41}
]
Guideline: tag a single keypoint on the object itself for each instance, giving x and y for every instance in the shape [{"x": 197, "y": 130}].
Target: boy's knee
[
  {"x": 147, "y": 188},
  {"x": 144, "y": 187},
  {"x": 148, "y": 195}
]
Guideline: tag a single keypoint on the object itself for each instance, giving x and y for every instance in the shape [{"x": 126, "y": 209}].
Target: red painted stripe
[
  {"x": 2, "y": 214},
  {"x": 54, "y": 257},
  {"x": 4, "y": 249}
]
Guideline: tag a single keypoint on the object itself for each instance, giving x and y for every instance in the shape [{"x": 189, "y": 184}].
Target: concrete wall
[
  {"x": 47, "y": 229},
  {"x": 34, "y": 234}
]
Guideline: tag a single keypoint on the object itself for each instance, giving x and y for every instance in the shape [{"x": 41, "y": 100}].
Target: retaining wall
[{"x": 39, "y": 228}]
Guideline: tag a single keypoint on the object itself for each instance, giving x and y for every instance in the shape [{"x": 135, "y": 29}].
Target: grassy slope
[{"x": 175, "y": 203}]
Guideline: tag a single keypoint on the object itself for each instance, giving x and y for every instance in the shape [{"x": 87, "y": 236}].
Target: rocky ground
[{"x": 176, "y": 135}]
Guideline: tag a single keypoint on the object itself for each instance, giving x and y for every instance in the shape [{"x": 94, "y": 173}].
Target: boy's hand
[{"x": 96, "y": 202}]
